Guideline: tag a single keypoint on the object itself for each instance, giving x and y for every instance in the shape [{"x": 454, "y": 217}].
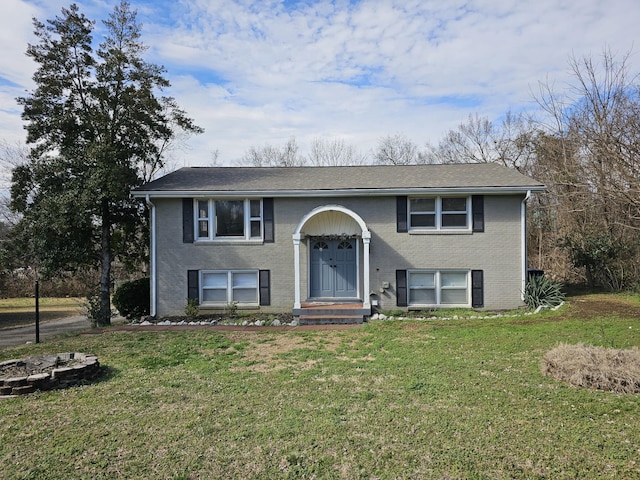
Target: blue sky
[{"x": 259, "y": 72}]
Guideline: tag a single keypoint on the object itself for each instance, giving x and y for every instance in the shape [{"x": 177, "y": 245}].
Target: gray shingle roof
[{"x": 357, "y": 179}]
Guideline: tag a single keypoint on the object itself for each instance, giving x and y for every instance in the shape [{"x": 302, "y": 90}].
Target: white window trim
[
  {"x": 438, "y": 213},
  {"x": 211, "y": 218},
  {"x": 438, "y": 288},
  {"x": 229, "y": 288}
]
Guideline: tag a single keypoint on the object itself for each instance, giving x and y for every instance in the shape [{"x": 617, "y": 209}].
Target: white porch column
[
  {"x": 366, "y": 240},
  {"x": 296, "y": 274}
]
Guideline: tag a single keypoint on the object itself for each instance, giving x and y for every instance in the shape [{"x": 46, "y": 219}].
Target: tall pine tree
[{"x": 98, "y": 126}]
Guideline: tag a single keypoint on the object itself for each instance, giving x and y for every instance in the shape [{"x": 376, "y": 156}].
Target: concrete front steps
[{"x": 331, "y": 312}]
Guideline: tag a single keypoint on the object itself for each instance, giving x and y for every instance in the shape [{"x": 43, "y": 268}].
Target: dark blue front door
[{"x": 333, "y": 268}]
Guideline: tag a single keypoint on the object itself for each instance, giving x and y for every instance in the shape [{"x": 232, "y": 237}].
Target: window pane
[
  {"x": 255, "y": 208},
  {"x": 453, "y": 279},
  {"x": 454, "y": 204},
  {"x": 256, "y": 229},
  {"x": 423, "y": 220},
  {"x": 419, "y": 279},
  {"x": 214, "y": 296},
  {"x": 230, "y": 218},
  {"x": 203, "y": 228},
  {"x": 453, "y": 296},
  {"x": 249, "y": 279},
  {"x": 423, "y": 204},
  {"x": 203, "y": 209},
  {"x": 320, "y": 246},
  {"x": 454, "y": 220},
  {"x": 245, "y": 295},
  {"x": 216, "y": 280},
  {"x": 422, "y": 297}
]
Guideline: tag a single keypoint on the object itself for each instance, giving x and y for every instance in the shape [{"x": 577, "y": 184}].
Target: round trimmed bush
[{"x": 132, "y": 299}]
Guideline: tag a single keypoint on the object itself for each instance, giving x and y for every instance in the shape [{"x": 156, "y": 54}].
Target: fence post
[{"x": 37, "y": 311}]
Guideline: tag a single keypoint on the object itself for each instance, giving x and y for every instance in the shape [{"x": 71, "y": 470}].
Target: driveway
[{"x": 22, "y": 335}]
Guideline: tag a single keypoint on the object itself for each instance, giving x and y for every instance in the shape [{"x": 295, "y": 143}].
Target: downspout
[
  {"x": 523, "y": 242},
  {"x": 152, "y": 260}
]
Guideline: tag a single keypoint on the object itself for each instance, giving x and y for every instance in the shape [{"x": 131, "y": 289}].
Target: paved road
[{"x": 22, "y": 335}]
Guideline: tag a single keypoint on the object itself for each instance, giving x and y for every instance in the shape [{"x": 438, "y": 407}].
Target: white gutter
[
  {"x": 152, "y": 260},
  {"x": 523, "y": 241}
]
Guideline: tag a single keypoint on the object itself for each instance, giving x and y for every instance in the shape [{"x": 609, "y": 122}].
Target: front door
[{"x": 333, "y": 268}]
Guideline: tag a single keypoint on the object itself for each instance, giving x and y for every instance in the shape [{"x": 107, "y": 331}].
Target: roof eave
[{"x": 506, "y": 190}]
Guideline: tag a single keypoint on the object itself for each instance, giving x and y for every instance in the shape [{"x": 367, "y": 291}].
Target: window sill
[
  {"x": 208, "y": 307},
  {"x": 428, "y": 307},
  {"x": 229, "y": 242},
  {"x": 441, "y": 232}
]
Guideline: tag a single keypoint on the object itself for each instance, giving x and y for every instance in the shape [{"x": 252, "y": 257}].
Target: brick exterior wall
[{"x": 496, "y": 251}]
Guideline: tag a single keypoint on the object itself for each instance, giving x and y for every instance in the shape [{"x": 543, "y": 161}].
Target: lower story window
[
  {"x": 438, "y": 287},
  {"x": 221, "y": 287}
]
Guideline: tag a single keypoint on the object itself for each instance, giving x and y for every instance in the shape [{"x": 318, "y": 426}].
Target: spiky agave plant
[{"x": 541, "y": 290}]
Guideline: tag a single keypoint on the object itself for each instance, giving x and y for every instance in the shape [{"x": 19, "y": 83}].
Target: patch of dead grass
[
  {"x": 600, "y": 368},
  {"x": 262, "y": 354}
]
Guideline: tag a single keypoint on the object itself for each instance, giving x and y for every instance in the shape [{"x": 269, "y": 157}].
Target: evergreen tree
[{"x": 98, "y": 127}]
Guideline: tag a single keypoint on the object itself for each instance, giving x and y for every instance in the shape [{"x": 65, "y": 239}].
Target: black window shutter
[
  {"x": 401, "y": 288},
  {"x": 193, "y": 289},
  {"x": 401, "y": 214},
  {"x": 265, "y": 287},
  {"x": 267, "y": 218},
  {"x": 187, "y": 220},
  {"x": 477, "y": 211},
  {"x": 477, "y": 288}
]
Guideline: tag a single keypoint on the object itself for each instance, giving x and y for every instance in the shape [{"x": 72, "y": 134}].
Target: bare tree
[
  {"x": 272, "y": 156},
  {"x": 480, "y": 141},
  {"x": 396, "y": 149},
  {"x": 589, "y": 157},
  {"x": 336, "y": 152},
  {"x": 215, "y": 158},
  {"x": 12, "y": 155}
]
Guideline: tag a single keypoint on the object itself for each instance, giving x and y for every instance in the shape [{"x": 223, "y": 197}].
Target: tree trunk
[{"x": 106, "y": 259}]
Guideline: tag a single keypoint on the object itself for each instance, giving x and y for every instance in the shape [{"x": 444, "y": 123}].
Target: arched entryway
[{"x": 333, "y": 233}]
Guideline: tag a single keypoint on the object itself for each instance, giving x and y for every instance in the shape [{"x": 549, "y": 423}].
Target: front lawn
[{"x": 401, "y": 399}]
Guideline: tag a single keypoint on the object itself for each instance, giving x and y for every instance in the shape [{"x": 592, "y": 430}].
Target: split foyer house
[{"x": 316, "y": 240}]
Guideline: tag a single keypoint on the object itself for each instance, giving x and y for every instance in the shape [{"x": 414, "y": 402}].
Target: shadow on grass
[{"x": 105, "y": 374}]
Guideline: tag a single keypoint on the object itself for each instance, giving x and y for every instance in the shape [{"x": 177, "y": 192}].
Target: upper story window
[
  {"x": 439, "y": 213},
  {"x": 229, "y": 219}
]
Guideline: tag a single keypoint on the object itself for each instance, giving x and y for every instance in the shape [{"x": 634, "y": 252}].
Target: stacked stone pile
[{"x": 47, "y": 372}]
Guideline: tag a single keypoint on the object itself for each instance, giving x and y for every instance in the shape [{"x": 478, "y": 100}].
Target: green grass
[
  {"x": 404, "y": 399},
  {"x": 633, "y": 298},
  {"x": 21, "y": 311}
]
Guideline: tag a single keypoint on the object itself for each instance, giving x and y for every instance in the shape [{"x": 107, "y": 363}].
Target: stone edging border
[
  {"x": 294, "y": 323},
  {"x": 380, "y": 316}
]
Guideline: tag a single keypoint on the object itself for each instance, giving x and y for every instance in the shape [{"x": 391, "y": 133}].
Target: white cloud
[{"x": 256, "y": 72}]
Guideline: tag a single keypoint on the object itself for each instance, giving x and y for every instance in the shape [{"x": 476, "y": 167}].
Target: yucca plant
[{"x": 542, "y": 291}]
